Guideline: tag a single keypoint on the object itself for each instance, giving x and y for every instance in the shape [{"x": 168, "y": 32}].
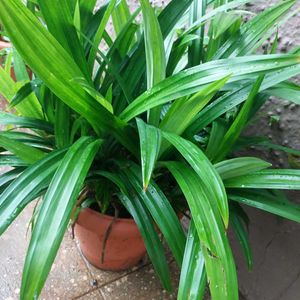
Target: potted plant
[{"x": 146, "y": 128}]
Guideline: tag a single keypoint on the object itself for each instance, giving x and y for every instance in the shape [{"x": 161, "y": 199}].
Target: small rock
[
  {"x": 94, "y": 282},
  {"x": 285, "y": 142}
]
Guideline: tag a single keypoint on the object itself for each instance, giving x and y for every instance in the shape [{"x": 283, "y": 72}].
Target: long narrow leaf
[
  {"x": 239, "y": 123},
  {"x": 267, "y": 203},
  {"x": 267, "y": 179},
  {"x": 120, "y": 16},
  {"x": 26, "y": 153},
  {"x": 192, "y": 80},
  {"x": 144, "y": 222},
  {"x": 205, "y": 170},
  {"x": 254, "y": 32},
  {"x": 162, "y": 212},
  {"x": 8, "y": 88},
  {"x": 234, "y": 98},
  {"x": 240, "y": 166},
  {"x": 219, "y": 263},
  {"x": 99, "y": 34},
  {"x": 52, "y": 63},
  {"x": 59, "y": 20},
  {"x": 155, "y": 53},
  {"x": 150, "y": 139},
  {"x": 242, "y": 235},
  {"x": 193, "y": 275},
  {"x": 26, "y": 187},
  {"x": 24, "y": 122},
  {"x": 54, "y": 215}
]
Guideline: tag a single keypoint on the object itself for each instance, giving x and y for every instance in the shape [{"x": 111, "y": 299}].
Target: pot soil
[{"x": 109, "y": 243}]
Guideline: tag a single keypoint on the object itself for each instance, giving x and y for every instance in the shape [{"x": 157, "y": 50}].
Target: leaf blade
[{"x": 54, "y": 215}]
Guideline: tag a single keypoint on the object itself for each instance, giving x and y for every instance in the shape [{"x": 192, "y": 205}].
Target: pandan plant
[{"x": 147, "y": 119}]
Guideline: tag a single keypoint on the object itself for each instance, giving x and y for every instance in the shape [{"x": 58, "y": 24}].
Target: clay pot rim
[{"x": 127, "y": 220}]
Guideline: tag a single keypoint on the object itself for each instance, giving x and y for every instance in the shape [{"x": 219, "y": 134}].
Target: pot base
[{"x": 124, "y": 247}]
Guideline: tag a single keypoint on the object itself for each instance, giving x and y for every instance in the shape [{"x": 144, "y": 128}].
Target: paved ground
[{"x": 72, "y": 277}]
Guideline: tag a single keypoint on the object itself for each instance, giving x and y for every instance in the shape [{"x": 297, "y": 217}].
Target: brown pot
[{"x": 124, "y": 245}]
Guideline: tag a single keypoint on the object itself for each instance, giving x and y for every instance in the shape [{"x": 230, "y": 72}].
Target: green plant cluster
[{"x": 145, "y": 121}]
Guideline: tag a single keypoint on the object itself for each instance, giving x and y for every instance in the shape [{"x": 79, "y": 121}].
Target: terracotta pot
[{"x": 124, "y": 246}]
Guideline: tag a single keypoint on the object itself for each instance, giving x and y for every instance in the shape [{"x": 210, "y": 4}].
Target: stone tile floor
[{"x": 72, "y": 277}]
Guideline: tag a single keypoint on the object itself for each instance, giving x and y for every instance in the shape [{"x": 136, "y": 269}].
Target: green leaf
[
  {"x": 268, "y": 145},
  {"x": 52, "y": 63},
  {"x": 62, "y": 124},
  {"x": 254, "y": 32},
  {"x": 286, "y": 90},
  {"x": 26, "y": 187},
  {"x": 24, "y": 122},
  {"x": 218, "y": 130},
  {"x": 212, "y": 13},
  {"x": 24, "y": 152},
  {"x": 267, "y": 202},
  {"x": 192, "y": 276},
  {"x": 144, "y": 221},
  {"x": 167, "y": 19},
  {"x": 219, "y": 263},
  {"x": 208, "y": 176},
  {"x": 29, "y": 139},
  {"x": 155, "y": 54},
  {"x": 178, "y": 51},
  {"x": 197, "y": 10},
  {"x": 234, "y": 98},
  {"x": 183, "y": 111},
  {"x": 161, "y": 210},
  {"x": 20, "y": 69},
  {"x": 150, "y": 140},
  {"x": 25, "y": 92},
  {"x": 59, "y": 20},
  {"x": 54, "y": 215},
  {"x": 240, "y": 166},
  {"x": 7, "y": 177},
  {"x": 242, "y": 235},
  {"x": 120, "y": 16},
  {"x": 22, "y": 93},
  {"x": 86, "y": 12},
  {"x": 192, "y": 80},
  {"x": 94, "y": 93},
  {"x": 99, "y": 34},
  {"x": 12, "y": 161},
  {"x": 267, "y": 179},
  {"x": 239, "y": 123},
  {"x": 8, "y": 88}
]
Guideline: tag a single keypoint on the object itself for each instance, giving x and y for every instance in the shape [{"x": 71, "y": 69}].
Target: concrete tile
[
  {"x": 68, "y": 278},
  {"x": 276, "y": 254},
  {"x": 141, "y": 285},
  {"x": 100, "y": 277},
  {"x": 94, "y": 295},
  {"x": 13, "y": 244}
]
